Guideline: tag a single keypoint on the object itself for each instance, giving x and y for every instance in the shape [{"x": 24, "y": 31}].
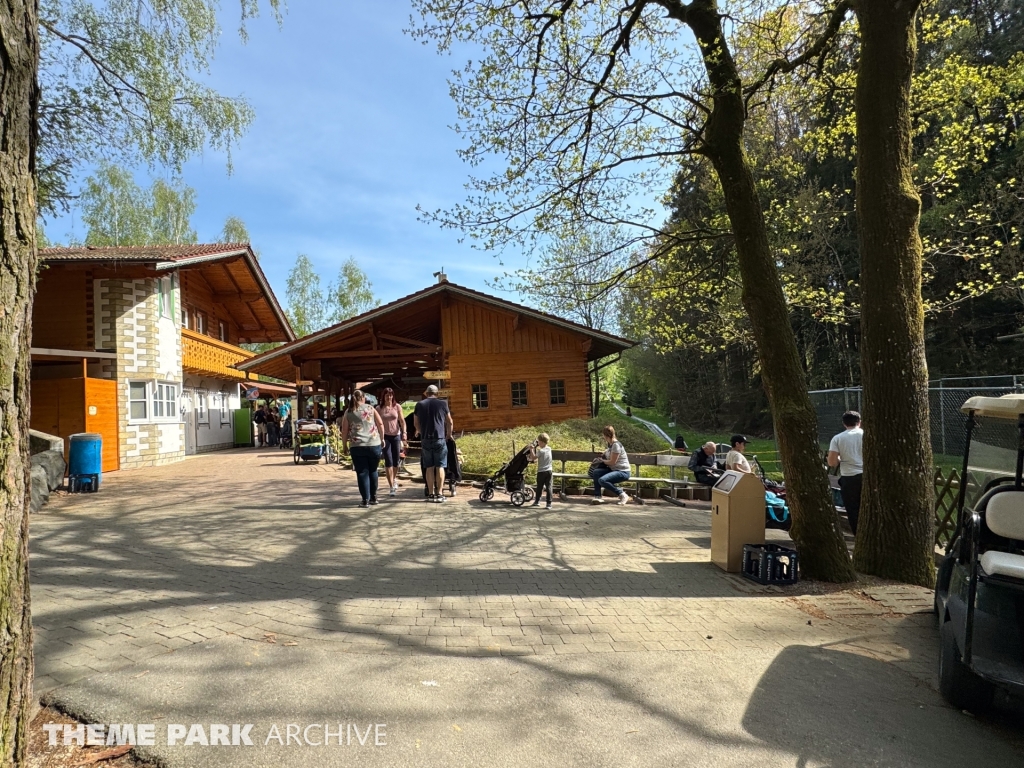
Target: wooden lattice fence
[{"x": 947, "y": 490}]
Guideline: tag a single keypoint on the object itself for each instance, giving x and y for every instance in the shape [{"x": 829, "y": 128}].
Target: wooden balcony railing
[{"x": 207, "y": 356}]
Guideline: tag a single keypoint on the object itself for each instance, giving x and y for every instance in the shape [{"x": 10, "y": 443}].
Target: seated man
[{"x": 702, "y": 464}]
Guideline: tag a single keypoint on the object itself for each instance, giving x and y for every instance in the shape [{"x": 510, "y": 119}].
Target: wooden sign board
[
  {"x": 437, "y": 374},
  {"x": 444, "y": 393}
]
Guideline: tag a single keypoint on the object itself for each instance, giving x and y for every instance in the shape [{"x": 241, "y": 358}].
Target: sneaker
[
  {"x": 393, "y": 491},
  {"x": 597, "y": 500},
  {"x": 373, "y": 501},
  {"x": 363, "y": 505},
  {"x": 440, "y": 499},
  {"x": 623, "y": 499},
  {"x": 537, "y": 504},
  {"x": 548, "y": 507}
]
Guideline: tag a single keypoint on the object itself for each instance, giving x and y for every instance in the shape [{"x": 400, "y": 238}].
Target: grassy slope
[
  {"x": 764, "y": 449},
  {"x": 485, "y": 452}
]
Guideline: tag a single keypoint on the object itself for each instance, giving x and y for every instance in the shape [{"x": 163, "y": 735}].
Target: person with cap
[
  {"x": 846, "y": 452},
  {"x": 434, "y": 424},
  {"x": 735, "y": 459},
  {"x": 702, "y": 464}
]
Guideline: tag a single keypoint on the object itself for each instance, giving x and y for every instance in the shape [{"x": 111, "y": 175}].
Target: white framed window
[
  {"x": 222, "y": 330},
  {"x": 165, "y": 402},
  {"x": 225, "y": 414},
  {"x": 202, "y": 412},
  {"x": 138, "y": 401},
  {"x": 200, "y": 323},
  {"x": 150, "y": 401},
  {"x": 165, "y": 286},
  {"x": 184, "y": 318}
]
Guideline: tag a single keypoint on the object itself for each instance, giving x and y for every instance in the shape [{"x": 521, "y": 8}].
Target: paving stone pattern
[{"x": 246, "y": 543}]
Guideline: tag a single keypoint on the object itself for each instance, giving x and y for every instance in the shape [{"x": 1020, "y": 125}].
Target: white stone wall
[{"x": 148, "y": 348}]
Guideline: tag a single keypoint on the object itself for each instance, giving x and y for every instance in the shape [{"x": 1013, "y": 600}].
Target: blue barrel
[{"x": 85, "y": 456}]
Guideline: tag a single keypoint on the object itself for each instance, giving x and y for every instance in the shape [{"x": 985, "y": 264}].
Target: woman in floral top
[{"x": 361, "y": 428}]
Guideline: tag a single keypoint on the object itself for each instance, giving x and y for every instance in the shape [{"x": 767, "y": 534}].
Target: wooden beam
[
  {"x": 411, "y": 354},
  {"x": 405, "y": 340},
  {"x": 517, "y": 321}
]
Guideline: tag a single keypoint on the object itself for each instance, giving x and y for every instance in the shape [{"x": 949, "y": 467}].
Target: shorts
[
  {"x": 392, "y": 450},
  {"x": 434, "y": 454}
]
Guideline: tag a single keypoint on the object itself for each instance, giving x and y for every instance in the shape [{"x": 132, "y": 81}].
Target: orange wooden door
[{"x": 101, "y": 417}]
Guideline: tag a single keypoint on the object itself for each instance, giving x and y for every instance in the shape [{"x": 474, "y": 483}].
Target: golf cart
[{"x": 979, "y": 588}]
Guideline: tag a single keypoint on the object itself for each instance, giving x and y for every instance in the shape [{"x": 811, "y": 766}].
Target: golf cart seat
[{"x": 1002, "y": 511}]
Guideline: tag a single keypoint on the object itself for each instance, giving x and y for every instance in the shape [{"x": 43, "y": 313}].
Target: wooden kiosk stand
[{"x": 737, "y": 518}]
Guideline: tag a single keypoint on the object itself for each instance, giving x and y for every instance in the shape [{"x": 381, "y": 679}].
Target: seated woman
[{"x": 611, "y": 468}]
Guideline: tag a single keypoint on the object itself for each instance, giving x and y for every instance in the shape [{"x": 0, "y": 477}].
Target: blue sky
[{"x": 351, "y": 134}]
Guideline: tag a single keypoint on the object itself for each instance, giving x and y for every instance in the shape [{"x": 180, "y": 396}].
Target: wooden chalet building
[
  {"x": 498, "y": 363},
  {"x": 139, "y": 344}
]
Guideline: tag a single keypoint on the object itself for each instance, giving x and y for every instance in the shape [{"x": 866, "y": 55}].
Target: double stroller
[{"x": 511, "y": 479}]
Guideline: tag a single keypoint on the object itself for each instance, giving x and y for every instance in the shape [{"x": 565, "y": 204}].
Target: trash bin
[
  {"x": 85, "y": 461},
  {"x": 737, "y": 518}
]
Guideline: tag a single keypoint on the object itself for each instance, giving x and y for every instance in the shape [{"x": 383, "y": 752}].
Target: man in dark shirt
[
  {"x": 433, "y": 422},
  {"x": 702, "y": 464}
]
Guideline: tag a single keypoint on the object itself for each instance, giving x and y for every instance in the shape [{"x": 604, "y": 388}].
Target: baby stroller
[
  {"x": 776, "y": 510},
  {"x": 285, "y": 439},
  {"x": 511, "y": 479}
]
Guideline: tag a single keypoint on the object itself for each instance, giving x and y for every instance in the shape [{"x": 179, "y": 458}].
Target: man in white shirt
[
  {"x": 846, "y": 452},
  {"x": 735, "y": 459}
]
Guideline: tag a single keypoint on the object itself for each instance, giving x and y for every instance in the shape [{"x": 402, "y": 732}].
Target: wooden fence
[{"x": 947, "y": 490}]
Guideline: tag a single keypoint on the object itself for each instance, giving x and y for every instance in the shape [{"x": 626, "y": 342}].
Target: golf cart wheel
[
  {"x": 486, "y": 494},
  {"x": 518, "y": 499},
  {"x": 957, "y": 683}
]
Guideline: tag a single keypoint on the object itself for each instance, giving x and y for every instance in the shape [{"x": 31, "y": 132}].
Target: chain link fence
[{"x": 945, "y": 396}]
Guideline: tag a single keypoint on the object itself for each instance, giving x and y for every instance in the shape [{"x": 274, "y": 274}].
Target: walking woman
[
  {"x": 611, "y": 468},
  {"x": 361, "y": 428},
  {"x": 394, "y": 436}
]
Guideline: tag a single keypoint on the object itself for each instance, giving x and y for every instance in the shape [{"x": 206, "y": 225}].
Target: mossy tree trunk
[
  {"x": 19, "y": 61},
  {"x": 895, "y": 534},
  {"x": 816, "y": 529}
]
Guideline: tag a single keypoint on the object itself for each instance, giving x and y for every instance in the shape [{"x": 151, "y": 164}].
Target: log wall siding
[
  {"x": 60, "y": 312},
  {"x": 488, "y": 346},
  {"x": 196, "y": 294}
]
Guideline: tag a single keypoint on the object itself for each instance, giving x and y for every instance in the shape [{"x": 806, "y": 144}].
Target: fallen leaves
[{"x": 107, "y": 754}]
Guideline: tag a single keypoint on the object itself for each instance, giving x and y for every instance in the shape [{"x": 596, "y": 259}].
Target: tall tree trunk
[
  {"x": 895, "y": 535},
  {"x": 19, "y": 61},
  {"x": 816, "y": 529}
]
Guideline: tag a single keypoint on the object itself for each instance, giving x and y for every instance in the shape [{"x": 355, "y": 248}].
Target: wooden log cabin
[
  {"x": 498, "y": 363},
  {"x": 139, "y": 345}
]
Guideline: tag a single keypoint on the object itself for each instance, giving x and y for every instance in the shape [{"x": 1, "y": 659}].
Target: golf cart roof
[{"x": 1008, "y": 407}]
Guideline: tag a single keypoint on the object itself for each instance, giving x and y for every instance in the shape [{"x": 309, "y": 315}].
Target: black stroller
[
  {"x": 285, "y": 436},
  {"x": 452, "y": 470},
  {"x": 511, "y": 479}
]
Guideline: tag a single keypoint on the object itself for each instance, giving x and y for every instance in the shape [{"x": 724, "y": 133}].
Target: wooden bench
[{"x": 636, "y": 460}]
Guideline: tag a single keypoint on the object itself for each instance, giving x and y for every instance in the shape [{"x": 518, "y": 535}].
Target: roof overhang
[
  {"x": 1009, "y": 407},
  {"x": 605, "y": 343}
]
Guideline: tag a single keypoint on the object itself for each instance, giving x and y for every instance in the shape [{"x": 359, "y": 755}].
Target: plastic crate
[{"x": 770, "y": 564}]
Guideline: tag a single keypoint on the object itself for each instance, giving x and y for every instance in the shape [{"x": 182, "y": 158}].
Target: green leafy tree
[
  {"x": 307, "y": 307},
  {"x": 352, "y": 294},
  {"x": 234, "y": 231},
  {"x": 123, "y": 81},
  {"x": 117, "y": 211},
  {"x": 590, "y": 106}
]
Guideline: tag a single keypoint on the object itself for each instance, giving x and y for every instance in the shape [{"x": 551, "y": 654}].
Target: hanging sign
[
  {"x": 437, "y": 374},
  {"x": 444, "y": 393},
  {"x": 252, "y": 394}
]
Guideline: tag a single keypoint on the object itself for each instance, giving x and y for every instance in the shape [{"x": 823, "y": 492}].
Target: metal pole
[{"x": 942, "y": 413}]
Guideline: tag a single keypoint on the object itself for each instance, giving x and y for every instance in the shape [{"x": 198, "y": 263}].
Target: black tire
[
  {"x": 529, "y": 493},
  {"x": 957, "y": 683},
  {"x": 486, "y": 494},
  {"x": 295, "y": 457},
  {"x": 943, "y": 576},
  {"x": 518, "y": 499}
]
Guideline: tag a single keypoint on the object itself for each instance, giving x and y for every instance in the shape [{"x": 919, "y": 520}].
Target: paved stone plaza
[{"x": 238, "y": 587}]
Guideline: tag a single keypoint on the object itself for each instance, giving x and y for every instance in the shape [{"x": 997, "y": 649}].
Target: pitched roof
[
  {"x": 169, "y": 257},
  {"x": 142, "y": 253},
  {"x": 607, "y": 343}
]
